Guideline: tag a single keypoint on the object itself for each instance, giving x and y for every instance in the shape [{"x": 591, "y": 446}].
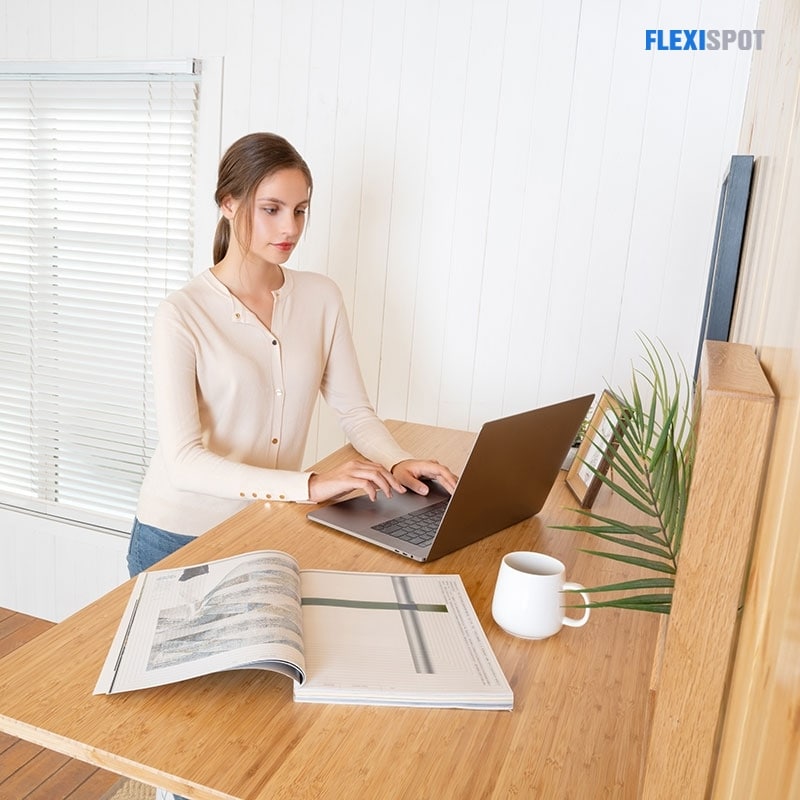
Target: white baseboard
[{"x": 50, "y": 569}]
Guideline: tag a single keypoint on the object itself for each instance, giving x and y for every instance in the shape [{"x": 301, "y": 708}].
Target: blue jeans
[{"x": 149, "y": 545}]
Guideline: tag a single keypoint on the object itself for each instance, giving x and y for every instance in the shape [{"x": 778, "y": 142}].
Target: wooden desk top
[{"x": 580, "y": 698}]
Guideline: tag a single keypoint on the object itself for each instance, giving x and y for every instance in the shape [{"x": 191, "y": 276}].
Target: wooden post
[{"x": 733, "y": 427}]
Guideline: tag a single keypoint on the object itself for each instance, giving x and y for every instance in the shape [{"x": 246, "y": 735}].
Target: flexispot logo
[{"x": 702, "y": 39}]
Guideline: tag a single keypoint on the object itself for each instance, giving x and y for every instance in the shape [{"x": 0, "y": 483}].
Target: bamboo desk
[{"x": 580, "y": 698}]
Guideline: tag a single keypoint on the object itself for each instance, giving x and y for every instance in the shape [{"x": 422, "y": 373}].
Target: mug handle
[{"x": 571, "y": 621}]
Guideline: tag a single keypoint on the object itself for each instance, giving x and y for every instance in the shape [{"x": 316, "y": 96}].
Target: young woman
[{"x": 240, "y": 354}]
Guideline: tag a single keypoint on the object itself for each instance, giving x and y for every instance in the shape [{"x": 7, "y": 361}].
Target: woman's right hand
[{"x": 355, "y": 474}]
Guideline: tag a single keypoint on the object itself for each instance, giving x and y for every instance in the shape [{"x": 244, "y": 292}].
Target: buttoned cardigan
[{"x": 234, "y": 400}]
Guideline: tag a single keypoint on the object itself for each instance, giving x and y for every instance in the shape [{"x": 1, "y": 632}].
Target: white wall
[
  {"x": 507, "y": 191},
  {"x": 49, "y": 570}
]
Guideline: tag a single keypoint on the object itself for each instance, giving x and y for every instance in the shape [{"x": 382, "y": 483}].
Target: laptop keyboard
[{"x": 416, "y": 527}]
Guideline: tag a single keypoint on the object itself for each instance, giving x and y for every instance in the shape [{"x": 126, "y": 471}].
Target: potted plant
[{"x": 648, "y": 463}]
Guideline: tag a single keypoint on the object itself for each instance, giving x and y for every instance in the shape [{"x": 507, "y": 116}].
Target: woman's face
[{"x": 280, "y": 205}]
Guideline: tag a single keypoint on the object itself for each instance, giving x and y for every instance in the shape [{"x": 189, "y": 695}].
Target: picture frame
[
  {"x": 602, "y": 434},
  {"x": 723, "y": 275}
]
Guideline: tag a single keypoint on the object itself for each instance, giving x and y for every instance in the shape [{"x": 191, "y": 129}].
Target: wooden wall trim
[{"x": 733, "y": 428}]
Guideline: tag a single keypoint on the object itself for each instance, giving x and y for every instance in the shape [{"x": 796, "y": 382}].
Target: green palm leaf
[
  {"x": 651, "y": 603},
  {"x": 658, "y": 551},
  {"x": 647, "y": 563},
  {"x": 643, "y": 501},
  {"x": 650, "y": 532},
  {"x": 641, "y": 583},
  {"x": 649, "y": 464}
]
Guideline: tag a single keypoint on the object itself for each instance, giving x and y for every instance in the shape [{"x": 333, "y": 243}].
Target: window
[{"x": 96, "y": 195}]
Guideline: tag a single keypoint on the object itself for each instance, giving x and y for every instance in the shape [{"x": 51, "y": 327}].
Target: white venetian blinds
[{"x": 96, "y": 191}]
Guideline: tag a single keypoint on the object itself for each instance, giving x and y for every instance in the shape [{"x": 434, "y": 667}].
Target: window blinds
[{"x": 96, "y": 196}]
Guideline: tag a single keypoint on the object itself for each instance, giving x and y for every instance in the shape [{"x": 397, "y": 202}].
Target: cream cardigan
[{"x": 234, "y": 400}]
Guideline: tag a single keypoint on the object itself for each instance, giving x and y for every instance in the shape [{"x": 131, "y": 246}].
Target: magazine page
[
  {"x": 410, "y": 640},
  {"x": 180, "y": 623}
]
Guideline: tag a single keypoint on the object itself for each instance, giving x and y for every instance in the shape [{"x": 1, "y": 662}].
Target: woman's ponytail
[{"x": 222, "y": 238}]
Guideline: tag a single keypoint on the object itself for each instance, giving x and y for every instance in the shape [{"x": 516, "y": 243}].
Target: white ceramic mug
[{"x": 528, "y": 596}]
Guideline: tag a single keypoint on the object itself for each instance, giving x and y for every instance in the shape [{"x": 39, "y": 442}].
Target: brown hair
[{"x": 245, "y": 164}]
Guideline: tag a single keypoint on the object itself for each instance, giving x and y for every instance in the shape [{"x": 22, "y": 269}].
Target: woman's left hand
[{"x": 410, "y": 473}]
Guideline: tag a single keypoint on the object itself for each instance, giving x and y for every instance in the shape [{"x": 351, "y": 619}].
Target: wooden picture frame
[{"x": 602, "y": 434}]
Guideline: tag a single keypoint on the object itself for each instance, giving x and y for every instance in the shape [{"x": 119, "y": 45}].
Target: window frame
[{"x": 206, "y": 150}]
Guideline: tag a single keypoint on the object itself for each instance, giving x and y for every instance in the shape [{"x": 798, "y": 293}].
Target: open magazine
[{"x": 343, "y": 637}]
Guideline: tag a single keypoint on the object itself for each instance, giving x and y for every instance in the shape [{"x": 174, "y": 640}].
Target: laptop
[{"x": 510, "y": 470}]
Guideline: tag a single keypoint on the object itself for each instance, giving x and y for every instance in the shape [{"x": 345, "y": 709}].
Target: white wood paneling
[
  {"x": 263, "y": 58},
  {"x": 213, "y": 32},
  {"x": 506, "y": 191},
  {"x": 241, "y": 36},
  {"x": 50, "y": 570},
  {"x": 73, "y": 30},
  {"x": 376, "y": 191},
  {"x": 24, "y": 37},
  {"x": 618, "y": 181},
  {"x": 432, "y": 260},
  {"x": 409, "y": 170},
  {"x": 160, "y": 28},
  {"x": 184, "y": 25},
  {"x": 469, "y": 278},
  {"x": 537, "y": 273},
  {"x": 505, "y": 273},
  {"x": 576, "y": 201},
  {"x": 123, "y": 30}
]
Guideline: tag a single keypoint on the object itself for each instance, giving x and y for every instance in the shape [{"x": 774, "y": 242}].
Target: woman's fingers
[
  {"x": 365, "y": 475},
  {"x": 411, "y": 473}
]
